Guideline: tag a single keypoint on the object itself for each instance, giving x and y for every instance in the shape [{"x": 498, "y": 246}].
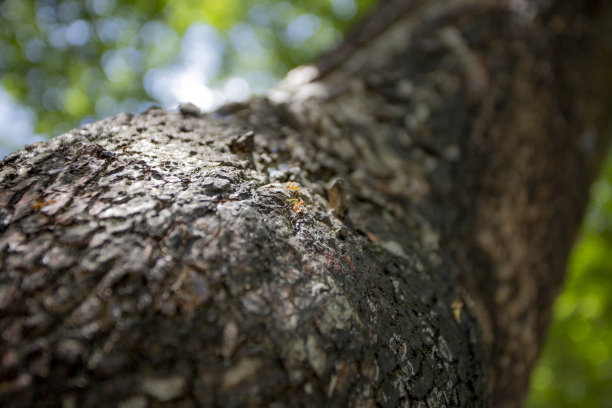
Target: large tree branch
[{"x": 438, "y": 173}]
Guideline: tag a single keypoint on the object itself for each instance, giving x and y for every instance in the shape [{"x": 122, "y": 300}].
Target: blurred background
[{"x": 64, "y": 63}]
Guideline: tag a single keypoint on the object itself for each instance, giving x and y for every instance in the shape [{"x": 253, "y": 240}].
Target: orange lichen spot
[
  {"x": 456, "y": 307},
  {"x": 293, "y": 187},
  {"x": 297, "y": 204},
  {"x": 40, "y": 203},
  {"x": 373, "y": 237}
]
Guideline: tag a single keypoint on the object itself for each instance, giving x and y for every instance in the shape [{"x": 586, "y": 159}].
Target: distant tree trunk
[{"x": 387, "y": 228}]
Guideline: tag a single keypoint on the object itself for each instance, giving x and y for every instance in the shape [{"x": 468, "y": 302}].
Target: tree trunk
[{"x": 386, "y": 228}]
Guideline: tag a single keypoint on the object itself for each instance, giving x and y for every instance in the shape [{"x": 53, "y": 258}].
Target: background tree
[{"x": 131, "y": 38}]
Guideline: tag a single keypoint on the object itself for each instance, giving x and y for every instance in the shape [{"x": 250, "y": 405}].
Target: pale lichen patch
[
  {"x": 316, "y": 355},
  {"x": 164, "y": 388},
  {"x": 245, "y": 369},
  {"x": 137, "y": 401}
]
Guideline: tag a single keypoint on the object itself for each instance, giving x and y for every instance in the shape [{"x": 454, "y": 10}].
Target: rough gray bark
[{"x": 443, "y": 157}]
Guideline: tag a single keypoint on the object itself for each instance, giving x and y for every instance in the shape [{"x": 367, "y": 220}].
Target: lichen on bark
[
  {"x": 161, "y": 251},
  {"x": 374, "y": 232}
]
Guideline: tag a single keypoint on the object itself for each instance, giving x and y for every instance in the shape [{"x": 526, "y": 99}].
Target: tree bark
[{"x": 386, "y": 228}]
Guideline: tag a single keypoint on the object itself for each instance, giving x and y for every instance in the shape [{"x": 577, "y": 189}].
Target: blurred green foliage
[
  {"x": 575, "y": 369},
  {"x": 71, "y": 61},
  {"x": 78, "y": 60}
]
